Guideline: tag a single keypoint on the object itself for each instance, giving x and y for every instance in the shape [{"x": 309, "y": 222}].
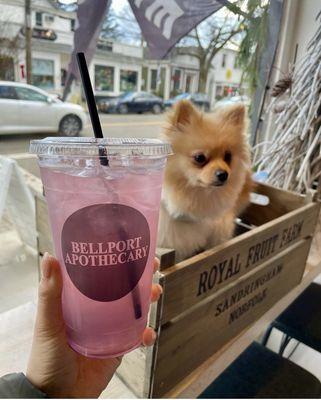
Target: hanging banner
[
  {"x": 162, "y": 22},
  {"x": 90, "y": 18},
  {"x": 165, "y": 22}
]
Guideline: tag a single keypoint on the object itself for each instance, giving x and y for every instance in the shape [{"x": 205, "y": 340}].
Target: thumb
[{"x": 49, "y": 313}]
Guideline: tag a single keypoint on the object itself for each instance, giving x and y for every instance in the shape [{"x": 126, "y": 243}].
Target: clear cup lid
[{"x": 90, "y": 147}]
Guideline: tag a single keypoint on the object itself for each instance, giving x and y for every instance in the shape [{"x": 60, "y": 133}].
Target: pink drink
[{"x": 104, "y": 224}]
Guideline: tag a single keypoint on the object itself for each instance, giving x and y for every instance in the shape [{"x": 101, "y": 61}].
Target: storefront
[
  {"x": 128, "y": 80},
  {"x": 184, "y": 80},
  {"x": 224, "y": 89},
  {"x": 104, "y": 78},
  {"x": 46, "y": 70},
  {"x": 43, "y": 73},
  {"x": 111, "y": 78}
]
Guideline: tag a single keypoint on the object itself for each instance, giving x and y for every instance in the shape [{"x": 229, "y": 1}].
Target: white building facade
[
  {"x": 116, "y": 67},
  {"x": 180, "y": 74}
]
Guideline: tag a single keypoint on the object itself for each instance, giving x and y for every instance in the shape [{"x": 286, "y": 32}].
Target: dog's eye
[
  {"x": 200, "y": 159},
  {"x": 228, "y": 157}
]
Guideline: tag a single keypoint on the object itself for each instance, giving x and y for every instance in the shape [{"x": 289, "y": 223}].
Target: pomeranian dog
[{"x": 207, "y": 180}]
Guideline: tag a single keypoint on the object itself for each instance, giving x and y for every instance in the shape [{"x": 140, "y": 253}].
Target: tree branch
[
  {"x": 198, "y": 38},
  {"x": 216, "y": 49},
  {"x": 214, "y": 40},
  {"x": 236, "y": 9}
]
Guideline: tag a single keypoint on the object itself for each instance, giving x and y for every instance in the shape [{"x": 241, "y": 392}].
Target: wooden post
[{"x": 28, "y": 38}]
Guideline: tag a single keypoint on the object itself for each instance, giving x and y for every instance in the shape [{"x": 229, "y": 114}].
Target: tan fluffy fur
[{"x": 195, "y": 215}]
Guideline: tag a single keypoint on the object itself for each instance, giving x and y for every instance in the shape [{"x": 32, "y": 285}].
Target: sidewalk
[{"x": 18, "y": 268}]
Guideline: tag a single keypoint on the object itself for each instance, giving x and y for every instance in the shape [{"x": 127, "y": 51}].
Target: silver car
[{"x": 28, "y": 109}]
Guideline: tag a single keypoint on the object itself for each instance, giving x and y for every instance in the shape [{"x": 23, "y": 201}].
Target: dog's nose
[{"x": 221, "y": 176}]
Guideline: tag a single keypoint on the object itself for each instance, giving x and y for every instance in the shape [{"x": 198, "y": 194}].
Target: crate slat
[
  {"x": 192, "y": 280},
  {"x": 166, "y": 257},
  {"x": 186, "y": 342},
  {"x": 281, "y": 202}
]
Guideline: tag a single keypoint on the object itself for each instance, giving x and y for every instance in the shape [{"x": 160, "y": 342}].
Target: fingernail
[
  {"x": 46, "y": 267},
  {"x": 154, "y": 336},
  {"x": 160, "y": 288},
  {"x": 157, "y": 265}
]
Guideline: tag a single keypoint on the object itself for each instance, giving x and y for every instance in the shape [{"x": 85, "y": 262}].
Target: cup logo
[{"x": 105, "y": 249}]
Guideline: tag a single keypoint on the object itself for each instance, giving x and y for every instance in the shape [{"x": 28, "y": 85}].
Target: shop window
[
  {"x": 104, "y": 78},
  {"x": 223, "y": 60},
  {"x": 63, "y": 74},
  {"x": 39, "y": 18},
  {"x": 189, "y": 83},
  {"x": 49, "y": 19},
  {"x": 6, "y": 68},
  {"x": 219, "y": 92},
  {"x": 43, "y": 73},
  {"x": 177, "y": 79},
  {"x": 105, "y": 45},
  {"x": 128, "y": 80},
  {"x": 153, "y": 79},
  {"x": 235, "y": 62},
  {"x": 72, "y": 25},
  {"x": 145, "y": 72}
]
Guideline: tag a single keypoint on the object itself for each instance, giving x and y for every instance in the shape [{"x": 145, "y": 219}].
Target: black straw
[
  {"x": 91, "y": 103},
  {"x": 89, "y": 94}
]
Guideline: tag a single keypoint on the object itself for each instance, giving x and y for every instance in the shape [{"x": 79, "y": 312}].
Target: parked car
[
  {"x": 28, "y": 109},
  {"x": 138, "y": 102},
  {"x": 199, "y": 99},
  {"x": 232, "y": 100}
]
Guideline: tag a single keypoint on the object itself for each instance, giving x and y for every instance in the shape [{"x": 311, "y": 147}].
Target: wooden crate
[{"x": 210, "y": 298}]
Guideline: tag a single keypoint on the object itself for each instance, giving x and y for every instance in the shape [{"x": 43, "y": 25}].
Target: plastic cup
[{"x": 104, "y": 226}]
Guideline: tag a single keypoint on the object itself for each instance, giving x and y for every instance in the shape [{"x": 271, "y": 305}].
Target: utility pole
[{"x": 28, "y": 37}]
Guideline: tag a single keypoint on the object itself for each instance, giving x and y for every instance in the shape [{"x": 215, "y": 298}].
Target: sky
[
  {"x": 67, "y": 1},
  {"x": 116, "y": 4}
]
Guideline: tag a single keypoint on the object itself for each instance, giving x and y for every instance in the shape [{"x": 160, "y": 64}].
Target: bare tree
[
  {"x": 122, "y": 26},
  {"x": 254, "y": 36},
  {"x": 28, "y": 40},
  {"x": 10, "y": 44},
  {"x": 206, "y": 40}
]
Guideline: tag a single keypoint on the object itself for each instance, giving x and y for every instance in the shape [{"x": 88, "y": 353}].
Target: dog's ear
[
  {"x": 183, "y": 114},
  {"x": 235, "y": 114}
]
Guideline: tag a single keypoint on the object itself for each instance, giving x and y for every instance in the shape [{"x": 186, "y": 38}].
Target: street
[{"x": 131, "y": 125}]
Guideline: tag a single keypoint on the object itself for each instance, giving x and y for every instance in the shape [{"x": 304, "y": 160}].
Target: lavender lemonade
[{"x": 103, "y": 217}]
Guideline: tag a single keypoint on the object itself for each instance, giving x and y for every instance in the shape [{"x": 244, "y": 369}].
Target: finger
[
  {"x": 49, "y": 312},
  {"x": 149, "y": 337},
  {"x": 157, "y": 290},
  {"x": 156, "y": 264}
]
